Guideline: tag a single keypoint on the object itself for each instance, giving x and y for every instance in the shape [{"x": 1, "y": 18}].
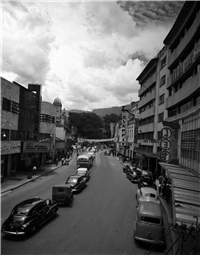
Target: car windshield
[
  {"x": 21, "y": 211},
  {"x": 150, "y": 219}
]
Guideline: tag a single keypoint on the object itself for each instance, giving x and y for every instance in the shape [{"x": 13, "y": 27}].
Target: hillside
[
  {"x": 103, "y": 111},
  {"x": 107, "y": 111}
]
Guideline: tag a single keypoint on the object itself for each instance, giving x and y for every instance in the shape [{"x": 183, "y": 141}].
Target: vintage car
[
  {"x": 62, "y": 194},
  {"x": 28, "y": 215},
  {"x": 132, "y": 175},
  {"x": 147, "y": 194},
  {"x": 149, "y": 224},
  {"x": 77, "y": 182},
  {"x": 84, "y": 172},
  {"x": 146, "y": 180}
]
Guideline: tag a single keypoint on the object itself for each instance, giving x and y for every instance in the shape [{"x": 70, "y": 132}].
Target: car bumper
[
  {"x": 20, "y": 233},
  {"x": 142, "y": 239}
]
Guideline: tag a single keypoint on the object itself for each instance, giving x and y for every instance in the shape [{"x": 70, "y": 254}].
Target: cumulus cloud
[
  {"x": 155, "y": 13},
  {"x": 26, "y": 39},
  {"x": 88, "y": 54}
]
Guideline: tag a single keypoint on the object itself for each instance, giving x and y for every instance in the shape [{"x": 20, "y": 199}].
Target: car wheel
[{"x": 33, "y": 228}]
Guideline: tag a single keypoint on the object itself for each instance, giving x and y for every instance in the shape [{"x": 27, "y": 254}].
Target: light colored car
[
  {"x": 149, "y": 224},
  {"x": 83, "y": 172},
  {"x": 147, "y": 194}
]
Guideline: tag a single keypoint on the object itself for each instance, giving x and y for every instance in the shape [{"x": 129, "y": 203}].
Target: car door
[
  {"x": 81, "y": 182},
  {"x": 42, "y": 210}
]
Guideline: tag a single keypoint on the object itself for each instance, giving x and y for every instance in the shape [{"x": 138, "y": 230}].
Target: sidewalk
[{"x": 21, "y": 177}]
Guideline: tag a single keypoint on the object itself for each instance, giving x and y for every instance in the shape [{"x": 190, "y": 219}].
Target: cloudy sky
[{"x": 87, "y": 53}]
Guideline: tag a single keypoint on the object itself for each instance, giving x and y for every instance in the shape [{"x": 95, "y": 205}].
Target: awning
[{"x": 185, "y": 194}]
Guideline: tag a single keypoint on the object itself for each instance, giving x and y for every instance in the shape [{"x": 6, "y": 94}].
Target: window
[
  {"x": 150, "y": 219},
  {"x": 162, "y": 80},
  {"x": 6, "y": 104},
  {"x": 163, "y": 62},
  {"x": 14, "y": 135},
  {"x": 160, "y": 117},
  {"x": 161, "y": 99},
  {"x": 15, "y": 107}
]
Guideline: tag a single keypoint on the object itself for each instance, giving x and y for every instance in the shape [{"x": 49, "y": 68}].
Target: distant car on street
[
  {"x": 132, "y": 175},
  {"x": 77, "y": 182},
  {"x": 84, "y": 172},
  {"x": 146, "y": 180},
  {"x": 28, "y": 215},
  {"x": 147, "y": 194},
  {"x": 62, "y": 194}
]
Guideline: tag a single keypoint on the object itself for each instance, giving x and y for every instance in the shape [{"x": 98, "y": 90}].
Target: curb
[{"x": 31, "y": 180}]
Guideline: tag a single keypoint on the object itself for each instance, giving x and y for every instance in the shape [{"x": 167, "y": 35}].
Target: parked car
[
  {"x": 147, "y": 194},
  {"x": 28, "y": 215},
  {"x": 83, "y": 172},
  {"x": 146, "y": 180},
  {"x": 62, "y": 194},
  {"x": 149, "y": 224},
  {"x": 77, "y": 182},
  {"x": 132, "y": 175}
]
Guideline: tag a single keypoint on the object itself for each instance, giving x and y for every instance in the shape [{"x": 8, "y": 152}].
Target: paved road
[{"x": 100, "y": 220}]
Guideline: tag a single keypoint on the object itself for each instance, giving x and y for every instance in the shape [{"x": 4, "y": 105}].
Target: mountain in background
[
  {"x": 104, "y": 111},
  {"x": 107, "y": 111}
]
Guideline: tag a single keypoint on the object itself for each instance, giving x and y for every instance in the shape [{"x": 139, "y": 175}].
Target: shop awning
[{"x": 185, "y": 194}]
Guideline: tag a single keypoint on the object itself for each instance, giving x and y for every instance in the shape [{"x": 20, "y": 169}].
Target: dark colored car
[
  {"x": 132, "y": 175},
  {"x": 77, "y": 182},
  {"x": 28, "y": 215},
  {"x": 146, "y": 181},
  {"x": 62, "y": 194}
]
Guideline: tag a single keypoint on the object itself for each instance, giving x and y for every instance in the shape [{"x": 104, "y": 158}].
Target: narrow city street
[{"x": 99, "y": 221}]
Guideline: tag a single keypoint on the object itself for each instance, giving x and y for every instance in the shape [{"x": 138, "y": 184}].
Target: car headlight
[{"x": 25, "y": 225}]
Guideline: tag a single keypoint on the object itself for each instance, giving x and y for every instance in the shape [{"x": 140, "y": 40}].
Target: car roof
[
  {"x": 29, "y": 203},
  {"x": 150, "y": 208},
  {"x": 82, "y": 169},
  {"x": 74, "y": 176},
  {"x": 148, "y": 190}
]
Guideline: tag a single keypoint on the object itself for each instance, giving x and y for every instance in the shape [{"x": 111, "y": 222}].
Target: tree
[
  {"x": 112, "y": 118},
  {"x": 88, "y": 125}
]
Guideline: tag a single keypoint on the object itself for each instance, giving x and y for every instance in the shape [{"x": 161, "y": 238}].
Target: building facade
[{"x": 10, "y": 140}]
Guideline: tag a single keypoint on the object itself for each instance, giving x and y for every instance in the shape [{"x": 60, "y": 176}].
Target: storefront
[
  {"x": 10, "y": 157},
  {"x": 35, "y": 152}
]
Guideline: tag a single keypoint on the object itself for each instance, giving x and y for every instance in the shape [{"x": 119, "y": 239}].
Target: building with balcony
[
  {"x": 147, "y": 109},
  {"x": 183, "y": 83},
  {"x": 183, "y": 113}
]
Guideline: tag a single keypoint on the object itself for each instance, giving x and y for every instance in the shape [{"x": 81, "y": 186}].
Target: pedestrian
[
  {"x": 167, "y": 193},
  {"x": 56, "y": 161},
  {"x": 63, "y": 159}
]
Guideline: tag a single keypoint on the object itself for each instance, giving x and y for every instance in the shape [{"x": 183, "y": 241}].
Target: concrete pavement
[{"x": 21, "y": 178}]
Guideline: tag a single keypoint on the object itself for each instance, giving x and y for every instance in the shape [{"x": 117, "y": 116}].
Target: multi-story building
[
  {"x": 63, "y": 132},
  {"x": 147, "y": 109},
  {"x": 182, "y": 122},
  {"x": 48, "y": 130},
  {"x": 183, "y": 83},
  {"x": 10, "y": 141}
]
